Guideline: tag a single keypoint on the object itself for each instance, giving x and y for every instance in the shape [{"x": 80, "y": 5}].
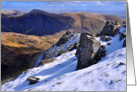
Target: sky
[{"x": 100, "y": 7}]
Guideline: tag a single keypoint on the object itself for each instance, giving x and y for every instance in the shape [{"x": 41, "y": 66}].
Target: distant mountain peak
[
  {"x": 37, "y": 11},
  {"x": 12, "y": 12}
]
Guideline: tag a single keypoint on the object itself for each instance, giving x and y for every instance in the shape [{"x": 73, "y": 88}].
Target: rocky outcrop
[
  {"x": 64, "y": 38},
  {"x": 111, "y": 28},
  {"x": 87, "y": 51},
  {"x": 75, "y": 46},
  {"x": 105, "y": 38},
  {"x": 66, "y": 42}
]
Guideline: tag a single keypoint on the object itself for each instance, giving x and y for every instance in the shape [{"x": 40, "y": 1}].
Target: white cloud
[{"x": 97, "y": 3}]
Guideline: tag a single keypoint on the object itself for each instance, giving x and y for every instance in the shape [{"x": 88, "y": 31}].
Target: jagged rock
[
  {"x": 124, "y": 43},
  {"x": 75, "y": 46},
  {"x": 110, "y": 29},
  {"x": 88, "y": 47},
  {"x": 101, "y": 53},
  {"x": 61, "y": 52},
  {"x": 122, "y": 36},
  {"x": 105, "y": 38},
  {"x": 115, "y": 32},
  {"x": 64, "y": 38},
  {"x": 33, "y": 80}
]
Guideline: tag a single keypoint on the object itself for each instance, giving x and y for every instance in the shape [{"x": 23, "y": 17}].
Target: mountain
[
  {"x": 13, "y": 13},
  {"x": 40, "y": 23},
  {"x": 60, "y": 73}
]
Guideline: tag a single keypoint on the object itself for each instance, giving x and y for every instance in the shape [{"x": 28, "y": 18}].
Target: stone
[
  {"x": 108, "y": 43},
  {"x": 124, "y": 22},
  {"x": 33, "y": 80},
  {"x": 124, "y": 43},
  {"x": 122, "y": 36},
  {"x": 88, "y": 47},
  {"x": 110, "y": 29},
  {"x": 105, "y": 38}
]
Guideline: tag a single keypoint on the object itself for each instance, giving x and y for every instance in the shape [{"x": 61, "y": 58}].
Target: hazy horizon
[{"x": 117, "y": 8}]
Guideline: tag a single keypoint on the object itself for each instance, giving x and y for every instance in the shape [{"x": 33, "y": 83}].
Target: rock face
[
  {"x": 101, "y": 53},
  {"x": 105, "y": 38},
  {"x": 111, "y": 28},
  {"x": 87, "y": 50}
]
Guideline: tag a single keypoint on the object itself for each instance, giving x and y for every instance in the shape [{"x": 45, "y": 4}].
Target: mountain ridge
[{"x": 38, "y": 22}]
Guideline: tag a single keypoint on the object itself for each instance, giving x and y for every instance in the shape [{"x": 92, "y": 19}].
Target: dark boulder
[
  {"x": 33, "y": 80},
  {"x": 105, "y": 38},
  {"x": 88, "y": 47},
  {"x": 122, "y": 36},
  {"x": 124, "y": 43},
  {"x": 108, "y": 43},
  {"x": 110, "y": 29}
]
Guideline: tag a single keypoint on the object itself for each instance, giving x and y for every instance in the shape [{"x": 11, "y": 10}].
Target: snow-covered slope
[{"x": 109, "y": 74}]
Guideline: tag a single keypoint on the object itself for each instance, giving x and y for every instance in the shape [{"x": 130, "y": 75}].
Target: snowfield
[{"x": 109, "y": 74}]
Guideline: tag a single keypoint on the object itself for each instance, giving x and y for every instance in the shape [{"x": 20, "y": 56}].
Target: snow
[
  {"x": 63, "y": 64},
  {"x": 56, "y": 49},
  {"x": 109, "y": 74}
]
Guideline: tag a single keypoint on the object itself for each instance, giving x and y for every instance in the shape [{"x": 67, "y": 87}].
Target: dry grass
[
  {"x": 45, "y": 61},
  {"x": 34, "y": 43}
]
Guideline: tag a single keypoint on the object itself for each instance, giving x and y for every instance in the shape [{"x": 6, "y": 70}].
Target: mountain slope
[
  {"x": 109, "y": 74},
  {"x": 38, "y": 22},
  {"x": 19, "y": 51}
]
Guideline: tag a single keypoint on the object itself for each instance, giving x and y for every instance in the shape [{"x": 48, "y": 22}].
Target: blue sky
[{"x": 101, "y": 7}]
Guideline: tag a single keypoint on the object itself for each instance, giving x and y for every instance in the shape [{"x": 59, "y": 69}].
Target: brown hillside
[{"x": 19, "y": 51}]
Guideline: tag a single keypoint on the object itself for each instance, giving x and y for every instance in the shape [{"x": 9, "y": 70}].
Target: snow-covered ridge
[
  {"x": 54, "y": 50},
  {"x": 109, "y": 74}
]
